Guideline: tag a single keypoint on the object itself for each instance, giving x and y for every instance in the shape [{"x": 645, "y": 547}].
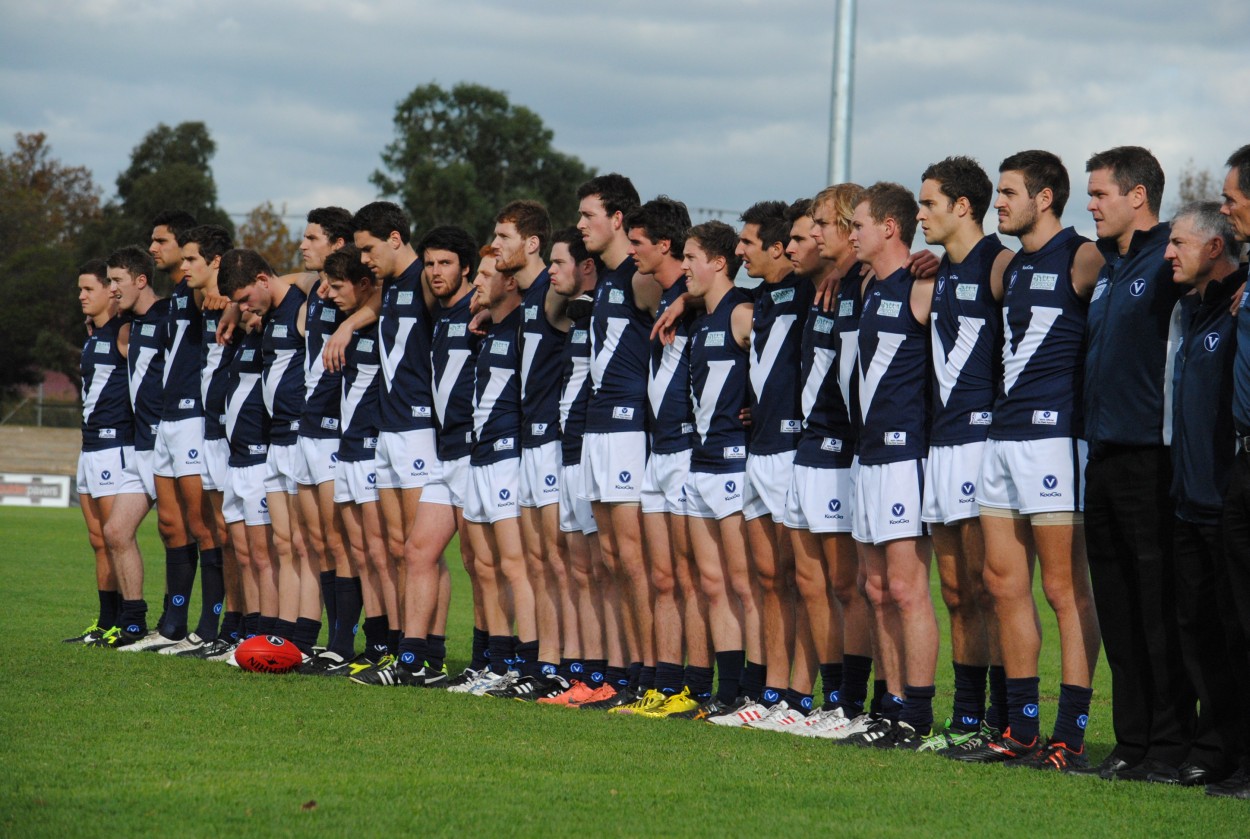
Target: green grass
[{"x": 97, "y": 743}]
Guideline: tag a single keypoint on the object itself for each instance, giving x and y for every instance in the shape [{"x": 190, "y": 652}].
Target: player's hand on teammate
[
  {"x": 923, "y": 265},
  {"x": 665, "y": 327},
  {"x": 480, "y": 320},
  {"x": 226, "y": 324},
  {"x": 334, "y": 352}
]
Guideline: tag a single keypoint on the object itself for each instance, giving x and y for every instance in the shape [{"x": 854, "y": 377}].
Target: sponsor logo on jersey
[
  {"x": 831, "y": 444},
  {"x": 330, "y": 423},
  {"x": 210, "y": 325},
  {"x": 1044, "y": 282},
  {"x": 735, "y": 452},
  {"x": 103, "y": 347},
  {"x": 791, "y": 426},
  {"x": 370, "y": 443},
  {"x": 531, "y": 313},
  {"x": 846, "y": 308},
  {"x": 498, "y": 347},
  {"x": 622, "y": 413},
  {"x": 714, "y": 339},
  {"x": 687, "y": 428},
  {"x": 365, "y": 345},
  {"x": 782, "y": 295},
  {"x": 328, "y": 313},
  {"x": 889, "y": 308},
  {"x": 258, "y": 448},
  {"x": 1045, "y": 417},
  {"x": 823, "y": 324},
  {"x": 180, "y": 302},
  {"x": 279, "y": 330},
  {"x": 505, "y": 444},
  {"x": 580, "y": 336},
  {"x": 616, "y": 295},
  {"x": 538, "y": 428},
  {"x": 186, "y": 404},
  {"x": 421, "y": 411},
  {"x": 981, "y": 418},
  {"x": 896, "y": 438},
  {"x": 247, "y": 355},
  {"x": 1099, "y": 289},
  {"x": 966, "y": 291},
  {"x": 1137, "y": 287},
  {"x": 403, "y": 298},
  {"x": 148, "y": 329},
  {"x": 457, "y": 330},
  {"x": 108, "y": 433}
]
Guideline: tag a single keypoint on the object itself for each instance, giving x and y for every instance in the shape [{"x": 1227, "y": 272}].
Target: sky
[{"x": 719, "y": 104}]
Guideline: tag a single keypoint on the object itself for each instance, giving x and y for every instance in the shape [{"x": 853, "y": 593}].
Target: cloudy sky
[{"x": 717, "y": 102}]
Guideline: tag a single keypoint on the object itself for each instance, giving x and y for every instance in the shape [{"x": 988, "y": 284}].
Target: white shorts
[
  {"x": 951, "y": 475},
  {"x": 712, "y": 495},
  {"x": 216, "y": 462},
  {"x": 106, "y": 472},
  {"x": 613, "y": 466},
  {"x": 768, "y": 479},
  {"x": 355, "y": 482},
  {"x": 406, "y": 459},
  {"x": 540, "y": 475},
  {"x": 575, "y": 513},
  {"x": 821, "y": 500},
  {"x": 888, "y": 504},
  {"x": 178, "y": 449},
  {"x": 451, "y": 487},
  {"x": 283, "y": 465},
  {"x": 245, "y": 496},
  {"x": 664, "y": 483},
  {"x": 493, "y": 491},
  {"x": 143, "y": 466},
  {"x": 316, "y": 460},
  {"x": 1034, "y": 476}
]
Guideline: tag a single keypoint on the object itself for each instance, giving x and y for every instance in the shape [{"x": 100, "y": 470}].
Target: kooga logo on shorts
[
  {"x": 898, "y": 510},
  {"x": 1049, "y": 484}
]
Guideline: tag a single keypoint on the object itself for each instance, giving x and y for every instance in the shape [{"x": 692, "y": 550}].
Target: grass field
[{"x": 98, "y": 743}]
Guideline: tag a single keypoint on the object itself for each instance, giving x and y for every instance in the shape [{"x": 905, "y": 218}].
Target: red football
[{"x": 268, "y": 654}]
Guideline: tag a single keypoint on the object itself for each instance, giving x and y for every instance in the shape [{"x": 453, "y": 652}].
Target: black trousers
[
  {"x": 1234, "y": 605},
  {"x": 1128, "y": 531},
  {"x": 1211, "y": 640}
]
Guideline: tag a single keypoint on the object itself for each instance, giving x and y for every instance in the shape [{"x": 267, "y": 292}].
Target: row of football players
[{"x": 712, "y": 484}]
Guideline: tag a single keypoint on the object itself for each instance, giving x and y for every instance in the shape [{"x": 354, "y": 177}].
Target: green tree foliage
[
  {"x": 44, "y": 208},
  {"x": 265, "y": 232},
  {"x": 461, "y": 154}
]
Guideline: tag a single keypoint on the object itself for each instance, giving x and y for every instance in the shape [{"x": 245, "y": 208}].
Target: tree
[
  {"x": 460, "y": 155},
  {"x": 1194, "y": 184},
  {"x": 265, "y": 232},
  {"x": 44, "y": 208}
]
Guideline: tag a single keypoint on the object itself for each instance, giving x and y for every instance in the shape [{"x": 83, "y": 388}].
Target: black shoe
[
  {"x": 398, "y": 674},
  {"x": 624, "y": 696},
  {"x": 1192, "y": 775},
  {"x": 531, "y": 688},
  {"x": 905, "y": 738},
  {"x": 1108, "y": 769},
  {"x": 879, "y": 734},
  {"x": 1143, "y": 771},
  {"x": 89, "y": 635},
  {"x": 1001, "y": 749},
  {"x": 1236, "y": 785}
]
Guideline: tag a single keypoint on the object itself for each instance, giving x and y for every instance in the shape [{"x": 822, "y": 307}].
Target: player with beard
[
  {"x": 1031, "y": 485},
  {"x": 448, "y": 254},
  {"x": 614, "y": 446},
  {"x": 966, "y": 336}
]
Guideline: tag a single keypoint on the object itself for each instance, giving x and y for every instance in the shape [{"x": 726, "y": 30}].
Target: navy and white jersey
[
  {"x": 541, "y": 346},
  {"x": 214, "y": 376},
  {"x": 454, "y": 359},
  {"x": 145, "y": 361},
  {"x": 181, "y": 385},
  {"x": 776, "y": 362},
  {"x": 620, "y": 346},
  {"x": 830, "y": 375},
  {"x": 107, "y": 418},
  {"x": 719, "y": 369},
  {"x": 404, "y": 328},
  {"x": 320, "y": 419},
  {"x": 967, "y": 338},
  {"x": 574, "y": 391},
  {"x": 893, "y": 374},
  {"x": 1043, "y": 345},
  {"x": 283, "y": 349},
  {"x": 497, "y": 394},
  {"x": 247, "y": 421},
  {"x": 669, "y": 411},
  {"x": 1203, "y": 440},
  {"x": 361, "y": 389},
  {"x": 1128, "y": 327}
]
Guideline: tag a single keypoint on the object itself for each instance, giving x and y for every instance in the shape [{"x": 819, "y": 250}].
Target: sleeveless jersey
[
  {"x": 1043, "y": 345},
  {"x": 719, "y": 369},
  {"x": 776, "y": 359},
  {"x": 145, "y": 360},
  {"x": 320, "y": 419},
  {"x": 669, "y": 411},
  {"x": 620, "y": 336},
  {"x": 893, "y": 374},
  {"x": 107, "y": 418},
  {"x": 406, "y": 402},
  {"x": 358, "y": 406},
  {"x": 966, "y": 333},
  {"x": 574, "y": 391},
  {"x": 497, "y": 394},
  {"x": 541, "y": 347},
  {"x": 247, "y": 422},
  {"x": 454, "y": 357},
  {"x": 829, "y": 398},
  {"x": 214, "y": 376},
  {"x": 181, "y": 384},
  {"x": 283, "y": 350},
  {"x": 1203, "y": 442}
]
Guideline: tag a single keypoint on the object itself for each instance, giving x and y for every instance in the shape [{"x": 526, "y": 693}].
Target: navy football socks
[
  {"x": 729, "y": 667},
  {"x": 668, "y": 677},
  {"x": 1073, "y": 716},
  {"x": 481, "y": 643},
  {"x": 996, "y": 714},
  {"x": 435, "y": 651},
  {"x": 831, "y": 684},
  {"x": 917, "y": 710},
  {"x": 179, "y": 578},
  {"x": 753, "y": 680},
  {"x": 1022, "y": 697},
  {"x": 969, "y": 706},
  {"x": 856, "y": 670},
  {"x": 212, "y": 593},
  {"x": 327, "y": 578},
  {"x": 231, "y": 626}
]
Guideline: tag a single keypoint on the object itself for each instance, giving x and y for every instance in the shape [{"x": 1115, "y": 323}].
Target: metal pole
[
  {"x": 843, "y": 87},
  {"x": 39, "y": 411}
]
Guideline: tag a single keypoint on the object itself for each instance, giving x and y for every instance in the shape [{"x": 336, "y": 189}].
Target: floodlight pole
[{"x": 843, "y": 86}]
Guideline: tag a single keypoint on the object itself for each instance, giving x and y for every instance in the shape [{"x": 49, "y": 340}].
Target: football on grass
[{"x": 268, "y": 654}]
